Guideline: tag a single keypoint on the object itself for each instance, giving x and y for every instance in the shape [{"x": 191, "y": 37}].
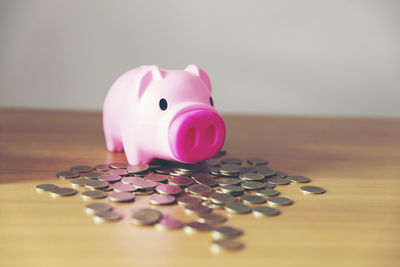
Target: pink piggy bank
[{"x": 167, "y": 114}]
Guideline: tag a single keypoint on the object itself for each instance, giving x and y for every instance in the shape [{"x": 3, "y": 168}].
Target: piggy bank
[{"x": 166, "y": 114}]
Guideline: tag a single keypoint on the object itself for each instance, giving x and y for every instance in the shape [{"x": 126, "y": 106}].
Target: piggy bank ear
[
  {"x": 199, "y": 73},
  {"x": 145, "y": 77}
]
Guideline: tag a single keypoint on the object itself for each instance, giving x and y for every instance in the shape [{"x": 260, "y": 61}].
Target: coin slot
[{"x": 210, "y": 134}]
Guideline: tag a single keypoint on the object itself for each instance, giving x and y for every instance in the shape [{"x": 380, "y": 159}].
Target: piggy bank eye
[
  {"x": 211, "y": 102},
  {"x": 163, "y": 104}
]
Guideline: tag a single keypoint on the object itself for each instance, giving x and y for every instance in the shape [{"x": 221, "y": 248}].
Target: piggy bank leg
[{"x": 113, "y": 144}]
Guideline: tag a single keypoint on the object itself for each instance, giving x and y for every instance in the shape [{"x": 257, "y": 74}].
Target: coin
[
  {"x": 236, "y": 207},
  {"x": 161, "y": 199},
  {"x": 252, "y": 176},
  {"x": 185, "y": 200},
  {"x": 94, "y": 194},
  {"x": 309, "y": 189},
  {"x": 78, "y": 182},
  {"x": 63, "y": 191},
  {"x": 140, "y": 183},
  {"x": 281, "y": 174},
  {"x": 221, "y": 232},
  {"x": 118, "y": 165},
  {"x": 121, "y": 197},
  {"x": 231, "y": 161},
  {"x": 146, "y": 216},
  {"x": 102, "y": 167},
  {"x": 67, "y": 175},
  {"x": 167, "y": 189},
  {"x": 120, "y": 187},
  {"x": 169, "y": 223},
  {"x": 229, "y": 171},
  {"x": 92, "y": 175},
  {"x": 197, "y": 227},
  {"x": 226, "y": 244},
  {"x": 252, "y": 199},
  {"x": 206, "y": 195},
  {"x": 279, "y": 201},
  {"x": 45, "y": 187},
  {"x": 265, "y": 211},
  {"x": 278, "y": 180},
  {"x": 118, "y": 172},
  {"x": 299, "y": 179},
  {"x": 92, "y": 208},
  {"x": 110, "y": 178},
  {"x": 81, "y": 168},
  {"x": 94, "y": 184},
  {"x": 196, "y": 208},
  {"x": 221, "y": 198},
  {"x": 267, "y": 192},
  {"x": 211, "y": 218},
  {"x": 230, "y": 181},
  {"x": 234, "y": 190},
  {"x": 253, "y": 185},
  {"x": 156, "y": 178},
  {"x": 205, "y": 179},
  {"x": 138, "y": 168},
  {"x": 257, "y": 161},
  {"x": 197, "y": 189},
  {"x": 267, "y": 172},
  {"x": 212, "y": 162},
  {"x": 181, "y": 181},
  {"x": 107, "y": 216}
]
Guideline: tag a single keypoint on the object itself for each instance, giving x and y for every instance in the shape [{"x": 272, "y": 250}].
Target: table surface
[{"x": 355, "y": 223}]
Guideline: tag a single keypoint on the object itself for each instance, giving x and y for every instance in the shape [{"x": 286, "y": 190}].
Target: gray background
[{"x": 338, "y": 58}]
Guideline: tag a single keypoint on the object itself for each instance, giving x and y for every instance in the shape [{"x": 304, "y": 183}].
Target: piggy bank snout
[{"x": 196, "y": 135}]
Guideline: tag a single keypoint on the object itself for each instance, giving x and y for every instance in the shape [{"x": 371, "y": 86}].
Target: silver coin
[
  {"x": 81, "y": 168},
  {"x": 196, "y": 208},
  {"x": 185, "y": 200},
  {"x": 169, "y": 223},
  {"x": 234, "y": 190},
  {"x": 278, "y": 181},
  {"x": 281, "y": 174},
  {"x": 197, "y": 227},
  {"x": 197, "y": 189},
  {"x": 309, "y": 189},
  {"x": 267, "y": 192},
  {"x": 265, "y": 211},
  {"x": 236, "y": 207},
  {"x": 102, "y": 167},
  {"x": 94, "y": 184},
  {"x": 211, "y": 218},
  {"x": 299, "y": 179},
  {"x": 252, "y": 199},
  {"x": 120, "y": 187},
  {"x": 93, "y": 194},
  {"x": 222, "y": 232},
  {"x": 252, "y": 176},
  {"x": 158, "y": 178},
  {"x": 78, "y": 182},
  {"x": 110, "y": 178},
  {"x": 45, "y": 187},
  {"x": 121, "y": 197},
  {"x": 107, "y": 216},
  {"x": 138, "y": 168},
  {"x": 119, "y": 165},
  {"x": 248, "y": 169},
  {"x": 231, "y": 161},
  {"x": 146, "y": 216},
  {"x": 267, "y": 172},
  {"x": 257, "y": 161},
  {"x": 252, "y": 185},
  {"x": 230, "y": 181},
  {"x": 92, "y": 208},
  {"x": 140, "y": 183},
  {"x": 92, "y": 175},
  {"x": 181, "y": 181},
  {"x": 120, "y": 172},
  {"x": 167, "y": 189},
  {"x": 205, "y": 179},
  {"x": 157, "y": 199},
  {"x": 226, "y": 245},
  {"x": 67, "y": 175},
  {"x": 279, "y": 201},
  {"x": 63, "y": 191},
  {"x": 221, "y": 198}
]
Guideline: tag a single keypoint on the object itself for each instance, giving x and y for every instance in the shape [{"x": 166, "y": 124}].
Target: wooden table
[{"x": 356, "y": 223}]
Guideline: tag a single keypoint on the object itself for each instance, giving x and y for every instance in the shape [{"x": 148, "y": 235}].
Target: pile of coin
[{"x": 227, "y": 184}]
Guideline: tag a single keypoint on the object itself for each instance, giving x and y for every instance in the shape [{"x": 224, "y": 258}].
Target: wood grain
[{"x": 356, "y": 223}]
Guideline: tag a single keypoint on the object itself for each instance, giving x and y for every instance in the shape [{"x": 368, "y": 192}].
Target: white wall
[{"x": 269, "y": 57}]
